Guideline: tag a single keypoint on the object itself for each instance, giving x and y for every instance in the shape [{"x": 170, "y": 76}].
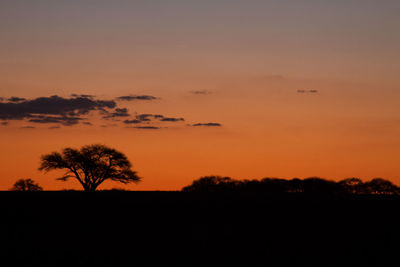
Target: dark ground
[{"x": 189, "y": 229}]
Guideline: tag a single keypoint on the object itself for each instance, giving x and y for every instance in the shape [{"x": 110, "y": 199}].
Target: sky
[{"x": 247, "y": 89}]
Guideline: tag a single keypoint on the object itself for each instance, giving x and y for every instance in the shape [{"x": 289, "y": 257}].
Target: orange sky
[{"x": 251, "y": 59}]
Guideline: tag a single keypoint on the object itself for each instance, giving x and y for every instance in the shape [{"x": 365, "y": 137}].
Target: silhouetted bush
[{"x": 26, "y": 185}]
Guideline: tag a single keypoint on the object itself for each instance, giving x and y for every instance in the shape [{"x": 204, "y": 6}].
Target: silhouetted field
[{"x": 198, "y": 229}]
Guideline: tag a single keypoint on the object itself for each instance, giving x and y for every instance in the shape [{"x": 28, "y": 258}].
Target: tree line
[
  {"x": 91, "y": 165},
  {"x": 314, "y": 185}
]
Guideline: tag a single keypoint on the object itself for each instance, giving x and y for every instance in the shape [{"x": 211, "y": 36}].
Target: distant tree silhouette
[
  {"x": 91, "y": 165},
  {"x": 380, "y": 186},
  {"x": 352, "y": 185},
  {"x": 316, "y": 185},
  {"x": 268, "y": 185},
  {"x": 295, "y": 185},
  {"x": 312, "y": 185},
  {"x": 212, "y": 184},
  {"x": 26, "y": 185}
]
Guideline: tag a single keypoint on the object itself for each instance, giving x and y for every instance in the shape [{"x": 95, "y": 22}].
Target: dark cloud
[
  {"x": 172, "y": 119},
  {"x": 64, "y": 120},
  {"x": 148, "y": 118},
  {"x": 60, "y": 111},
  {"x": 135, "y": 121},
  {"x": 307, "y": 91},
  {"x": 118, "y": 112},
  {"x": 201, "y": 92},
  {"x": 54, "y": 109},
  {"x": 147, "y": 127},
  {"x": 28, "y": 127},
  {"x": 54, "y": 127},
  {"x": 84, "y": 96},
  {"x": 136, "y": 97},
  {"x": 16, "y": 99},
  {"x": 209, "y": 124}
]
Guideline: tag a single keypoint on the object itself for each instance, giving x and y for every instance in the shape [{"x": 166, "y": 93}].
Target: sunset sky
[{"x": 185, "y": 88}]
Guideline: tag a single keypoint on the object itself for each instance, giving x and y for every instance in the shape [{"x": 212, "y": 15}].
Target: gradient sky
[{"x": 237, "y": 63}]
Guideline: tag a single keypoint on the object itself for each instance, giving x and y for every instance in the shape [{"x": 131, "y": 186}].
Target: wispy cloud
[
  {"x": 140, "y": 118},
  {"x": 201, "y": 92},
  {"x": 301, "y": 91},
  {"x": 84, "y": 96},
  {"x": 118, "y": 112},
  {"x": 147, "y": 127},
  {"x": 64, "y": 120},
  {"x": 136, "y": 97},
  {"x": 208, "y": 124}
]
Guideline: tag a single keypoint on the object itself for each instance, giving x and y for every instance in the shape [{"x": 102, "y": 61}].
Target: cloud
[
  {"x": 147, "y": 117},
  {"x": 172, "y": 119},
  {"x": 307, "y": 91},
  {"x": 84, "y": 96},
  {"x": 54, "y": 109},
  {"x": 201, "y": 92},
  {"x": 16, "y": 99},
  {"x": 54, "y": 127},
  {"x": 64, "y": 120},
  {"x": 209, "y": 124},
  {"x": 118, "y": 112},
  {"x": 68, "y": 111},
  {"x": 136, "y": 97},
  {"x": 147, "y": 127},
  {"x": 152, "y": 117},
  {"x": 28, "y": 127},
  {"x": 135, "y": 121}
]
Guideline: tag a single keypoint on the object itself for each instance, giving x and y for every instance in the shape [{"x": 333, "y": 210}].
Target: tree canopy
[
  {"x": 26, "y": 185},
  {"x": 90, "y": 165}
]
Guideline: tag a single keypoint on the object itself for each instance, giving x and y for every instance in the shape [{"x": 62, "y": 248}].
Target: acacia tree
[
  {"x": 91, "y": 165},
  {"x": 26, "y": 185}
]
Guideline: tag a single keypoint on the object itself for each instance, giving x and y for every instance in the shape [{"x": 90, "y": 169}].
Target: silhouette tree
[
  {"x": 91, "y": 165},
  {"x": 352, "y": 185},
  {"x": 295, "y": 185},
  {"x": 381, "y": 186},
  {"x": 316, "y": 185},
  {"x": 212, "y": 184},
  {"x": 26, "y": 185}
]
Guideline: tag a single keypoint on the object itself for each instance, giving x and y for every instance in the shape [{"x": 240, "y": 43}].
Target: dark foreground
[{"x": 187, "y": 229}]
